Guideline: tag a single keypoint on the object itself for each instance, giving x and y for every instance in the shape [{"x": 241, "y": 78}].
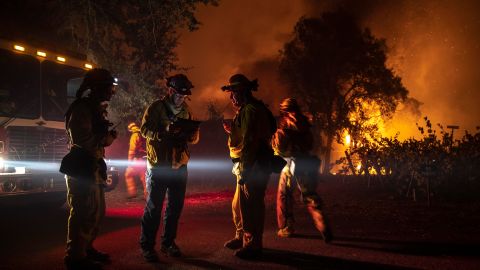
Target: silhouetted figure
[
  {"x": 294, "y": 142},
  {"x": 249, "y": 142},
  {"x": 89, "y": 134}
]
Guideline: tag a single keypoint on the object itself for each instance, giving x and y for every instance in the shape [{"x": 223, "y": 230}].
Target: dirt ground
[{"x": 372, "y": 231}]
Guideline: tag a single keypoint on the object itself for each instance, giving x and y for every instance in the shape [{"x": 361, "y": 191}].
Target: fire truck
[{"x": 36, "y": 87}]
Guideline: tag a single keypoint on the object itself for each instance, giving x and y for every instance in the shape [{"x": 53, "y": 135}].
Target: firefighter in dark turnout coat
[
  {"x": 249, "y": 140},
  {"x": 89, "y": 134}
]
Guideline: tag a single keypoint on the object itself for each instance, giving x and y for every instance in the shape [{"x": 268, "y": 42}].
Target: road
[{"x": 33, "y": 237}]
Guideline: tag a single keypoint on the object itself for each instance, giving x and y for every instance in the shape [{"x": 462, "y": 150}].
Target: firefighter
[
  {"x": 137, "y": 165},
  {"x": 249, "y": 141},
  {"x": 167, "y": 158},
  {"x": 89, "y": 134},
  {"x": 294, "y": 141}
]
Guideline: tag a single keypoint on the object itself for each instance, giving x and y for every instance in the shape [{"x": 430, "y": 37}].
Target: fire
[{"x": 359, "y": 166}]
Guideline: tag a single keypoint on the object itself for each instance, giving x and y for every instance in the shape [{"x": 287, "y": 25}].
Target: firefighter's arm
[
  {"x": 132, "y": 146},
  {"x": 108, "y": 139},
  {"x": 193, "y": 137},
  {"x": 251, "y": 143},
  {"x": 81, "y": 129},
  {"x": 280, "y": 142},
  {"x": 154, "y": 126}
]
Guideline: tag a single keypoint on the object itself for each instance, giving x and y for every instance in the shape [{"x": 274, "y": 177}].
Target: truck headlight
[{"x": 2, "y": 164}]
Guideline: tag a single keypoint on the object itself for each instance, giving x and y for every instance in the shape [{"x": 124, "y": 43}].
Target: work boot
[
  {"x": 285, "y": 232},
  {"x": 327, "y": 235},
  {"x": 173, "y": 250},
  {"x": 248, "y": 253},
  {"x": 80, "y": 264},
  {"x": 234, "y": 243},
  {"x": 98, "y": 256},
  {"x": 150, "y": 255}
]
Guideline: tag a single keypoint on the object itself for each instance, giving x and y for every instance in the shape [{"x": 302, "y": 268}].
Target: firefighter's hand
[
  {"x": 111, "y": 136},
  {"x": 242, "y": 181},
  {"x": 227, "y": 126},
  {"x": 172, "y": 129},
  {"x": 244, "y": 176}
]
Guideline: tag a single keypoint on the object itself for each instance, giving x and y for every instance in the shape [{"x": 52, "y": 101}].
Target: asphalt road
[{"x": 33, "y": 238}]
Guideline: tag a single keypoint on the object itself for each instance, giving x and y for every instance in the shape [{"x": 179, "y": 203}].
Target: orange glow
[
  {"x": 89, "y": 66},
  {"x": 359, "y": 166},
  {"x": 42, "y": 54},
  {"x": 61, "y": 59}
]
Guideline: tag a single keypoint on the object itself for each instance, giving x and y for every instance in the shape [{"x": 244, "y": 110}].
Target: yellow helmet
[{"x": 132, "y": 127}]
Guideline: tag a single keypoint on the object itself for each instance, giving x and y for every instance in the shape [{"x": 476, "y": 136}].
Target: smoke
[
  {"x": 238, "y": 36},
  {"x": 434, "y": 48}
]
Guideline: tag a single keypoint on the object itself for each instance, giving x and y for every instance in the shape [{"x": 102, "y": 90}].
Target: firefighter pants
[
  {"x": 306, "y": 183},
  {"x": 86, "y": 200},
  {"x": 161, "y": 182},
  {"x": 248, "y": 209},
  {"x": 131, "y": 173}
]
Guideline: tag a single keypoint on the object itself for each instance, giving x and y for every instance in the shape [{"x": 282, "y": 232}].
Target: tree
[
  {"x": 335, "y": 67},
  {"x": 133, "y": 39}
]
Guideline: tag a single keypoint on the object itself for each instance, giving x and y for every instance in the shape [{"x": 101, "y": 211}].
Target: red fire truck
[{"x": 36, "y": 87}]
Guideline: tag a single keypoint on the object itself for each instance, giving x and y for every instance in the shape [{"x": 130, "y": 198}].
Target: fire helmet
[
  {"x": 132, "y": 127},
  {"x": 96, "y": 77},
  {"x": 240, "y": 80},
  {"x": 180, "y": 83}
]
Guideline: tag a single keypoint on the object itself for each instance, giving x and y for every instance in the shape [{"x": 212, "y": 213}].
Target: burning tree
[
  {"x": 337, "y": 68},
  {"x": 435, "y": 164}
]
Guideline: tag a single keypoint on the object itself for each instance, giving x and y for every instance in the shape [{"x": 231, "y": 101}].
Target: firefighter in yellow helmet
[
  {"x": 294, "y": 141},
  {"x": 137, "y": 164},
  {"x": 249, "y": 141}
]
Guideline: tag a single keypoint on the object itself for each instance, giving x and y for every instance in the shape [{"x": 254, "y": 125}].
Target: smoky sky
[{"x": 433, "y": 45}]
